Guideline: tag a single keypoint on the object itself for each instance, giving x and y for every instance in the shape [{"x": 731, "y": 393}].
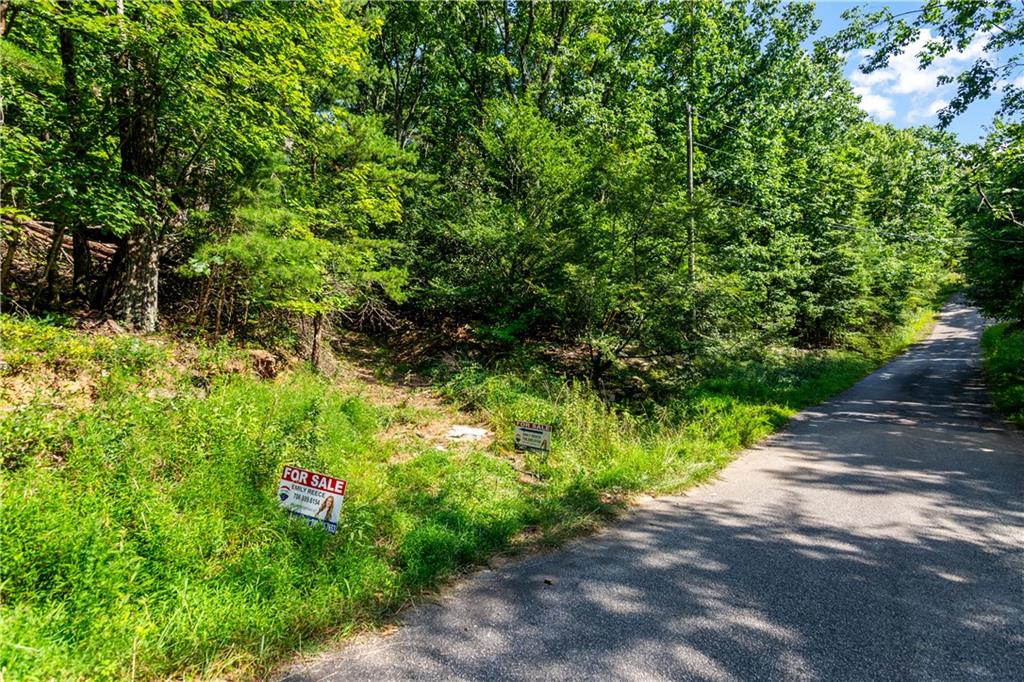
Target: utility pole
[{"x": 689, "y": 194}]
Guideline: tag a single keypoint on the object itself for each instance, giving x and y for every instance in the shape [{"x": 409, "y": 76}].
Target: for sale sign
[
  {"x": 315, "y": 497},
  {"x": 533, "y": 437}
]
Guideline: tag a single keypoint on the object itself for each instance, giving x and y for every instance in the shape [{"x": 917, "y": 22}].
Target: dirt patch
[
  {"x": 527, "y": 536},
  {"x": 411, "y": 438},
  {"x": 99, "y": 326},
  {"x": 426, "y": 418},
  {"x": 264, "y": 364},
  {"x": 78, "y": 392}
]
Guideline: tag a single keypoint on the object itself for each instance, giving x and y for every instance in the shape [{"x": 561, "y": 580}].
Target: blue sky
[{"x": 902, "y": 94}]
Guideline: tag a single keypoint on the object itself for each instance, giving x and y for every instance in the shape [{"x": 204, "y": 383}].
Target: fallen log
[{"x": 43, "y": 231}]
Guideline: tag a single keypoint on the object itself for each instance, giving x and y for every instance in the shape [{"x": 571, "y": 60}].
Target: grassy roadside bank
[
  {"x": 140, "y": 533},
  {"x": 1003, "y": 348}
]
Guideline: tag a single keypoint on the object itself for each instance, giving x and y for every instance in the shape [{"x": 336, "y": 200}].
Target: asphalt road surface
[{"x": 880, "y": 537}]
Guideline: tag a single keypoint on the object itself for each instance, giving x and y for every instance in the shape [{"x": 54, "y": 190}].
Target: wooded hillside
[{"x": 267, "y": 168}]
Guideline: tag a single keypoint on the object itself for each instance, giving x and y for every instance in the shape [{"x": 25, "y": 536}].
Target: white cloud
[
  {"x": 927, "y": 111},
  {"x": 912, "y": 90},
  {"x": 871, "y": 80},
  {"x": 876, "y": 105}
]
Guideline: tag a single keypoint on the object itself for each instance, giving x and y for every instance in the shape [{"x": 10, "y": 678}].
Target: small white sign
[
  {"x": 315, "y": 497},
  {"x": 533, "y": 437}
]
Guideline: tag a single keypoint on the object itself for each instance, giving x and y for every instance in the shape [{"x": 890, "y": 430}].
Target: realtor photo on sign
[{"x": 315, "y": 497}]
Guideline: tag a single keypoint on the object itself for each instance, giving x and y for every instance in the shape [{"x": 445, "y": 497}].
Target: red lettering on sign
[{"x": 314, "y": 480}]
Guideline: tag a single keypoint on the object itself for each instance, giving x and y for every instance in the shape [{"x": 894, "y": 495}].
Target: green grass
[
  {"x": 141, "y": 536},
  {"x": 1004, "y": 369}
]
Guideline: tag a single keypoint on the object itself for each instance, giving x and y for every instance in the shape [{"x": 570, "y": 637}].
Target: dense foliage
[
  {"x": 680, "y": 200},
  {"x": 176, "y": 129},
  {"x": 521, "y": 167},
  {"x": 991, "y": 182},
  {"x": 992, "y": 213},
  {"x": 1004, "y": 368}
]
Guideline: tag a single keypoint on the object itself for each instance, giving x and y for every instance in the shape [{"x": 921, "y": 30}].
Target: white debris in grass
[{"x": 471, "y": 433}]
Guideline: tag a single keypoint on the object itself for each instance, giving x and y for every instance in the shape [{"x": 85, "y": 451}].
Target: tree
[
  {"x": 190, "y": 98},
  {"x": 992, "y": 211},
  {"x": 989, "y": 206},
  {"x": 520, "y": 167}
]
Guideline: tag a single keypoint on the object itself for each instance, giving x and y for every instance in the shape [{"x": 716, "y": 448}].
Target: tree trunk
[
  {"x": 137, "y": 282},
  {"x": 50, "y": 273},
  {"x": 314, "y": 354},
  {"x": 598, "y": 366},
  {"x": 220, "y": 301},
  {"x": 81, "y": 256},
  {"x": 104, "y": 292},
  {"x": 7, "y": 12},
  {"x": 137, "y": 299},
  {"x": 8, "y": 260},
  {"x": 204, "y": 301},
  {"x": 78, "y": 146}
]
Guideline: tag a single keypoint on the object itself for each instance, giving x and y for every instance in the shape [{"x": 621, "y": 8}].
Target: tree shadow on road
[
  {"x": 924, "y": 581},
  {"x": 711, "y": 593}
]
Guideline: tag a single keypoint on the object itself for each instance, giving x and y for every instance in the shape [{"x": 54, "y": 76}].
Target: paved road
[{"x": 880, "y": 537}]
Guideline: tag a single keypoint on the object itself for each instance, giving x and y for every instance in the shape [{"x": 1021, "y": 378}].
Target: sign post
[
  {"x": 532, "y": 437},
  {"x": 315, "y": 497}
]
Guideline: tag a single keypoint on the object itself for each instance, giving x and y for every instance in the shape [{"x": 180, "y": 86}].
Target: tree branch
[{"x": 984, "y": 200}]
